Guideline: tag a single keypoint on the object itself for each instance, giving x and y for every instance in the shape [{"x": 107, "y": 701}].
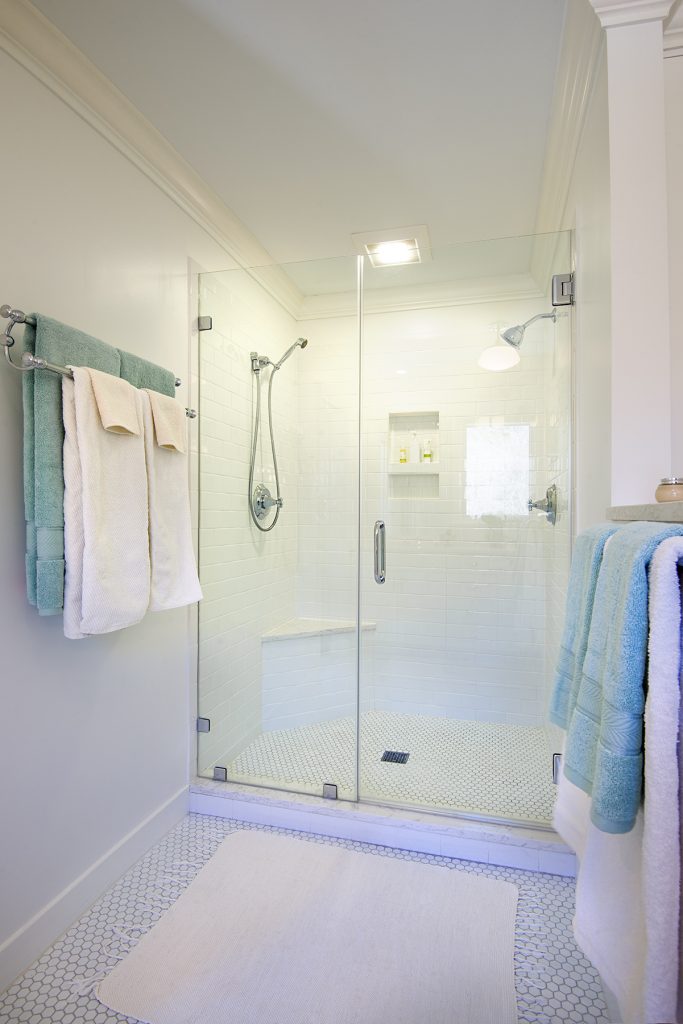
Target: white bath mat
[{"x": 277, "y": 930}]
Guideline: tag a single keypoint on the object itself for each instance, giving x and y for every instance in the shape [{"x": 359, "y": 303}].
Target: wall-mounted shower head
[
  {"x": 515, "y": 335},
  {"x": 299, "y": 343}
]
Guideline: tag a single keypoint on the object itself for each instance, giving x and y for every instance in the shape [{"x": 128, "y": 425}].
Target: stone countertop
[{"x": 658, "y": 512}]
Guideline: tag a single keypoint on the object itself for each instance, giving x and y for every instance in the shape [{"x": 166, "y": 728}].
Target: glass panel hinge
[
  {"x": 557, "y": 767},
  {"x": 203, "y": 725},
  {"x": 563, "y": 290}
]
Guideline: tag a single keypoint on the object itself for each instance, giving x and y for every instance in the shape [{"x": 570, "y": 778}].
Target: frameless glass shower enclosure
[{"x": 382, "y": 605}]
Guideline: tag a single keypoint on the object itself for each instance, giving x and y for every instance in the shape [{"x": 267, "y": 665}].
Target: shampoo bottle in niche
[
  {"x": 414, "y": 447},
  {"x": 427, "y": 452},
  {"x": 402, "y": 455}
]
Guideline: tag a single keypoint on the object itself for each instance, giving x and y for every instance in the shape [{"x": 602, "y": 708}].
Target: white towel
[
  {"x": 628, "y": 886},
  {"x": 107, "y": 581},
  {"x": 174, "y": 571},
  {"x": 608, "y": 923},
  {"x": 170, "y": 422},
  {"x": 661, "y": 836}
]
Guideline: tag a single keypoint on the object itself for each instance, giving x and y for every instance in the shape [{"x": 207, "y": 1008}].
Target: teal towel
[
  {"x": 604, "y": 748},
  {"x": 43, "y": 443},
  {"x": 142, "y": 374},
  {"x": 583, "y": 579}
]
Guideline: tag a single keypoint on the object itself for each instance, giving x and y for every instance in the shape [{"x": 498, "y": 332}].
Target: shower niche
[{"x": 411, "y": 435}]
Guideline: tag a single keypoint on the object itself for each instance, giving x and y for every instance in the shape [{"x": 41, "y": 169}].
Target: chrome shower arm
[{"x": 540, "y": 316}]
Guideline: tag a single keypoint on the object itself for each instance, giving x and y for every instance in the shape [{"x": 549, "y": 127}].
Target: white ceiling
[{"x": 314, "y": 119}]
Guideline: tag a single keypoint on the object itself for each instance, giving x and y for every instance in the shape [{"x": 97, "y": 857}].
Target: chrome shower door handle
[{"x": 380, "y": 552}]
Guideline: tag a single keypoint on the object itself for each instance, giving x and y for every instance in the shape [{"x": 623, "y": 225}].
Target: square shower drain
[{"x": 395, "y": 756}]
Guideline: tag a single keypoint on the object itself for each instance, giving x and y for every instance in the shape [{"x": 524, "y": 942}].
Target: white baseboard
[{"x": 29, "y": 941}]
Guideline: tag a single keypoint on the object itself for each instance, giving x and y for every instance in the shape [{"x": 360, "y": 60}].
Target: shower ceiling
[{"x": 314, "y": 119}]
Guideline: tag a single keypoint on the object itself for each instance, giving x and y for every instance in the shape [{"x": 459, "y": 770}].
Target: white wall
[
  {"x": 587, "y": 211},
  {"x": 673, "y": 80},
  {"x": 94, "y": 733}
]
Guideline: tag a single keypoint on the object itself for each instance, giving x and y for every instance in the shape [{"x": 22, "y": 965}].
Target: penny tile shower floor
[
  {"x": 553, "y": 980},
  {"x": 486, "y": 768}
]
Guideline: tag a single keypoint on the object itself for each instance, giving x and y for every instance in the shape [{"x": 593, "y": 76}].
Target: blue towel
[
  {"x": 43, "y": 443},
  {"x": 44, "y": 440},
  {"x": 583, "y": 578},
  {"x": 604, "y": 748},
  {"x": 143, "y": 374}
]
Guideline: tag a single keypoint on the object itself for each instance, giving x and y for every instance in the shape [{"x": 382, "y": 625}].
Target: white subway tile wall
[
  {"x": 461, "y": 622},
  {"x": 248, "y": 578}
]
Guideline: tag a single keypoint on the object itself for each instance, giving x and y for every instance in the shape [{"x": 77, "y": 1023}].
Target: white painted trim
[
  {"x": 33, "y": 41},
  {"x": 673, "y": 42},
  {"x": 29, "y": 941},
  {"x": 394, "y": 833},
  {"x": 615, "y": 13},
  {"x": 577, "y": 69}
]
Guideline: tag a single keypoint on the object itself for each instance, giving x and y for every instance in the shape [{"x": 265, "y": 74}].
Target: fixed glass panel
[
  {"x": 278, "y": 623},
  {"x": 455, "y": 682}
]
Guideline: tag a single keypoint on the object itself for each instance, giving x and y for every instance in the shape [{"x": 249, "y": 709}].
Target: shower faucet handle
[
  {"x": 547, "y": 505},
  {"x": 262, "y": 501}
]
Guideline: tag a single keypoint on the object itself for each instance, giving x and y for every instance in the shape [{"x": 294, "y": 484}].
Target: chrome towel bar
[{"x": 31, "y": 362}]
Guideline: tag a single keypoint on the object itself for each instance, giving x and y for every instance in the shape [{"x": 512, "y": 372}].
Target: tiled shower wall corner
[{"x": 248, "y": 578}]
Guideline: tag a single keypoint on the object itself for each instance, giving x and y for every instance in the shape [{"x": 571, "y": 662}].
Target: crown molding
[
  {"x": 580, "y": 60},
  {"x": 673, "y": 43},
  {"x": 506, "y": 288},
  {"x": 30, "y": 39},
  {"x": 673, "y": 34},
  {"x": 616, "y": 13}
]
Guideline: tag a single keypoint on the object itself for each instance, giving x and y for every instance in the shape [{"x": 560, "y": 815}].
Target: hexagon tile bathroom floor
[
  {"x": 553, "y": 980},
  {"x": 488, "y": 768}
]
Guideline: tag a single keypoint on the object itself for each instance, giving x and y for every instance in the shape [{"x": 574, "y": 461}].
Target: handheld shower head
[
  {"x": 515, "y": 335},
  {"x": 299, "y": 343}
]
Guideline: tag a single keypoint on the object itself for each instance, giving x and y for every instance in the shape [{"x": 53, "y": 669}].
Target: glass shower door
[
  {"x": 461, "y": 620},
  {"x": 277, "y": 650}
]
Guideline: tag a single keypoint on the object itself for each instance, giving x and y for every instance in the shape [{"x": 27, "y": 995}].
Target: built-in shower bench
[
  {"x": 298, "y": 628},
  {"x": 308, "y": 671}
]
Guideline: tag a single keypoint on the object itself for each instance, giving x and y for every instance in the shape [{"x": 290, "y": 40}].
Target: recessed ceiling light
[{"x": 393, "y": 252}]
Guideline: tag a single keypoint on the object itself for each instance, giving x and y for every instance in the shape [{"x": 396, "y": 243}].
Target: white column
[{"x": 640, "y": 389}]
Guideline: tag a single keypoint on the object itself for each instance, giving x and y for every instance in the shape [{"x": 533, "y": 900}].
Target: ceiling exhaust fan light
[{"x": 393, "y": 252}]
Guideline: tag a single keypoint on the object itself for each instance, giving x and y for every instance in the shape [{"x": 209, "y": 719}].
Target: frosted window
[{"x": 497, "y": 471}]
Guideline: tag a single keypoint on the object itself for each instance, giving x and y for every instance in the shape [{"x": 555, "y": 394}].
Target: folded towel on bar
[
  {"x": 170, "y": 423},
  {"x": 603, "y": 754},
  {"x": 583, "y": 578},
  {"x": 106, "y": 507},
  {"x": 633, "y": 941},
  {"x": 44, "y": 439},
  {"x": 174, "y": 571},
  {"x": 43, "y": 443},
  {"x": 143, "y": 374}
]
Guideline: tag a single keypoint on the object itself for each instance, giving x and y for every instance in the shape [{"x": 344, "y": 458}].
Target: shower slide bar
[{"x": 31, "y": 362}]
